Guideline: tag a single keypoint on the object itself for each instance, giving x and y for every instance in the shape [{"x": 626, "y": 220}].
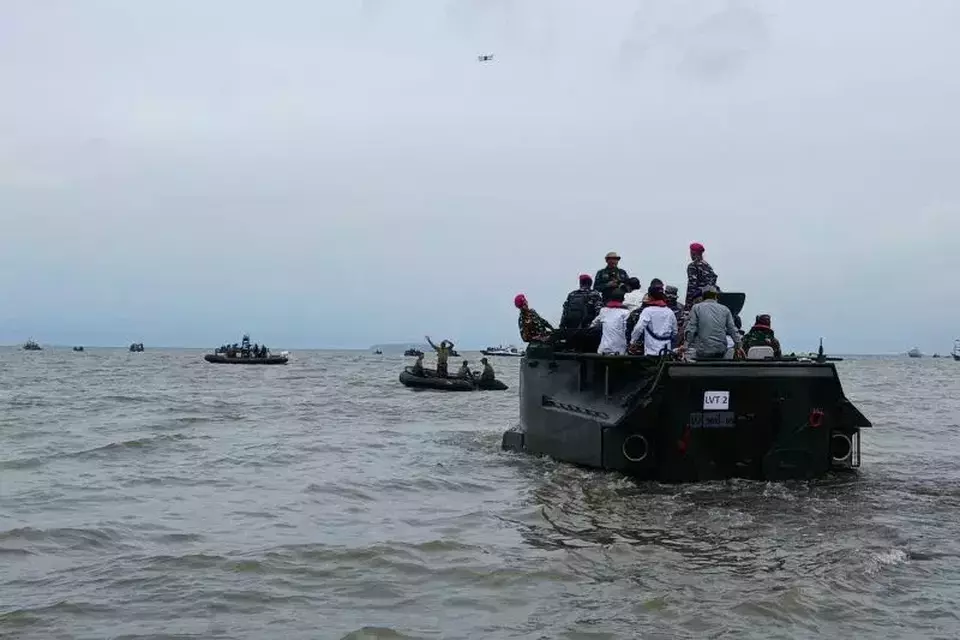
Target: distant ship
[
  {"x": 914, "y": 353},
  {"x": 956, "y": 349},
  {"x": 31, "y": 345},
  {"x": 503, "y": 351}
]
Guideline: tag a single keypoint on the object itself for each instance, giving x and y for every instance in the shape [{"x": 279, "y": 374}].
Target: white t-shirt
[
  {"x": 662, "y": 321},
  {"x": 633, "y": 300},
  {"x": 614, "y": 323}
]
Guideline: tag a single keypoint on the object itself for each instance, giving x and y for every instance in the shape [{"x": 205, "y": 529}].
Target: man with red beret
[
  {"x": 581, "y": 306},
  {"x": 532, "y": 326},
  {"x": 699, "y": 275}
]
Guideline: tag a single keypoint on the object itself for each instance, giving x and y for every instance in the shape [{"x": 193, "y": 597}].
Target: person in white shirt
[
  {"x": 613, "y": 320},
  {"x": 656, "y": 327},
  {"x": 633, "y": 298}
]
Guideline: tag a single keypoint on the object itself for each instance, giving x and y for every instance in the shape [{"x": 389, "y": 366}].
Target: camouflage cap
[
  {"x": 708, "y": 289},
  {"x": 671, "y": 290}
]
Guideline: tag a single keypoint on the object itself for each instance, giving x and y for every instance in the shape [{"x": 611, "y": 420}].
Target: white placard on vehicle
[{"x": 716, "y": 400}]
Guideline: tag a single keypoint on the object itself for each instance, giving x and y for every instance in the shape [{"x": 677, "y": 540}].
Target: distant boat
[
  {"x": 378, "y": 352},
  {"x": 503, "y": 351},
  {"x": 136, "y": 347},
  {"x": 245, "y": 353},
  {"x": 413, "y": 353},
  {"x": 78, "y": 348},
  {"x": 31, "y": 345},
  {"x": 936, "y": 355},
  {"x": 956, "y": 349},
  {"x": 914, "y": 353}
]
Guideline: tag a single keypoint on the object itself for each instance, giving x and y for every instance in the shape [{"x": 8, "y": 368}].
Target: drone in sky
[{"x": 485, "y": 58}]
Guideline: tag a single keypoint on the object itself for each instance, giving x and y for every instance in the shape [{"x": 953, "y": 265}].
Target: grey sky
[{"x": 343, "y": 173}]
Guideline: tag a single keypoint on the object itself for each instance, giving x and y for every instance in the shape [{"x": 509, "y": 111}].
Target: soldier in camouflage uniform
[
  {"x": 418, "y": 366},
  {"x": 581, "y": 306},
  {"x": 464, "y": 371},
  {"x": 610, "y": 277},
  {"x": 761, "y": 335},
  {"x": 532, "y": 326},
  {"x": 488, "y": 374},
  {"x": 443, "y": 353},
  {"x": 699, "y": 275},
  {"x": 672, "y": 293}
]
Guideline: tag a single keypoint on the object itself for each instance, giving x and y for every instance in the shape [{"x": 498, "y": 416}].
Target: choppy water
[{"x": 154, "y": 495}]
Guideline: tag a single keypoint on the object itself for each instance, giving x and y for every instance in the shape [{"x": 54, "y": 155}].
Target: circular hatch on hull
[{"x": 635, "y": 448}]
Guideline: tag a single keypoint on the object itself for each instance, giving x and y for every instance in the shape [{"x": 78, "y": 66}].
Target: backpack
[{"x": 578, "y": 311}]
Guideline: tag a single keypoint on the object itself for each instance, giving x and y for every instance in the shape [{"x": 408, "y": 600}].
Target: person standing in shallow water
[
  {"x": 611, "y": 277},
  {"x": 532, "y": 326},
  {"x": 699, "y": 275}
]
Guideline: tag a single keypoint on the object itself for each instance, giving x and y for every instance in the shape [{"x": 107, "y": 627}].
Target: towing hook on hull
[{"x": 841, "y": 447}]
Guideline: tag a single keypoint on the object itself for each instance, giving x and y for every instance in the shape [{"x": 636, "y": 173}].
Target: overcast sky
[{"x": 337, "y": 174}]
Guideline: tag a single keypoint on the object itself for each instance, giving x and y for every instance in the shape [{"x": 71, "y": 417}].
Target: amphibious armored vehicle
[{"x": 672, "y": 421}]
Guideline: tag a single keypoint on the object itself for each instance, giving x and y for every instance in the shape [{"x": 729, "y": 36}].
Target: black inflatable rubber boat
[
  {"x": 430, "y": 380},
  {"x": 217, "y": 358}
]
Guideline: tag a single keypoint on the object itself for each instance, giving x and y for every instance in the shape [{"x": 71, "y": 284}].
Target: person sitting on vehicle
[
  {"x": 656, "y": 283},
  {"x": 731, "y": 352},
  {"x": 633, "y": 298},
  {"x": 612, "y": 319},
  {"x": 532, "y": 326},
  {"x": 656, "y": 326},
  {"x": 672, "y": 294},
  {"x": 761, "y": 335},
  {"x": 443, "y": 353},
  {"x": 417, "y": 368},
  {"x": 707, "y": 328},
  {"x": 581, "y": 306},
  {"x": 610, "y": 277},
  {"x": 699, "y": 275},
  {"x": 464, "y": 371},
  {"x": 488, "y": 374}
]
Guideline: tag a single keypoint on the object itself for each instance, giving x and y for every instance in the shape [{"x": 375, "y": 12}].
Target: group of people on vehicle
[
  {"x": 443, "y": 350},
  {"x": 243, "y": 350},
  {"x": 651, "y": 322}
]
